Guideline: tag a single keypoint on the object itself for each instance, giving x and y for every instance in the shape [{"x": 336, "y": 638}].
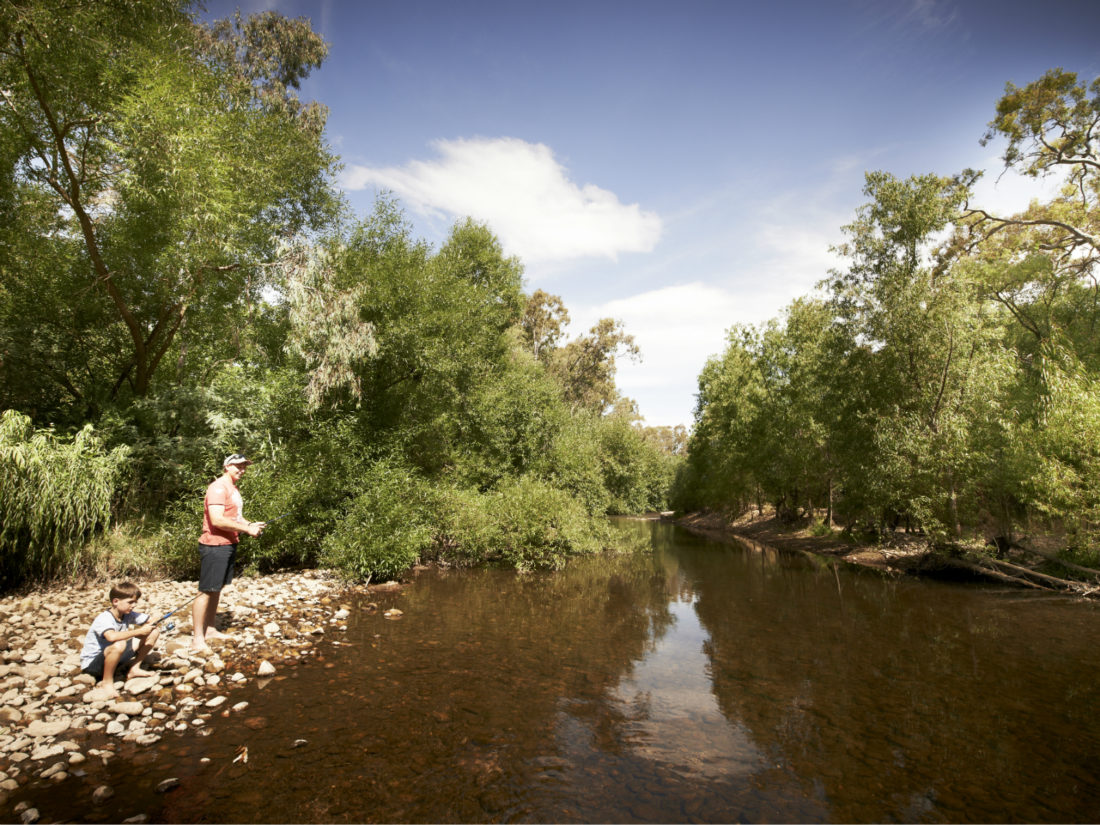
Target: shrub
[
  {"x": 525, "y": 524},
  {"x": 54, "y": 493},
  {"x": 386, "y": 526}
]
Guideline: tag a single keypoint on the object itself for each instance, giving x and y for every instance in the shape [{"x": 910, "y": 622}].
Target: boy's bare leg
[
  {"x": 112, "y": 654},
  {"x": 142, "y": 653}
]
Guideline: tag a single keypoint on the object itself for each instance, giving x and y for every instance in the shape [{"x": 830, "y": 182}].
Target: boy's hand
[{"x": 143, "y": 629}]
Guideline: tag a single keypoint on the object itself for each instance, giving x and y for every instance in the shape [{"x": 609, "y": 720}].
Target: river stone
[
  {"x": 46, "y": 751},
  {"x": 32, "y": 656},
  {"x": 215, "y": 702},
  {"x": 214, "y": 665},
  {"x": 138, "y": 818},
  {"x": 129, "y": 708},
  {"x": 168, "y": 784},
  {"x": 9, "y": 715},
  {"x": 52, "y": 769},
  {"x": 96, "y": 694},
  {"x": 29, "y": 815},
  {"x": 140, "y": 684},
  {"x": 265, "y": 669},
  {"x": 114, "y": 728},
  {"x": 271, "y": 628},
  {"x": 77, "y": 758},
  {"x": 102, "y": 794},
  {"x": 39, "y": 728}
]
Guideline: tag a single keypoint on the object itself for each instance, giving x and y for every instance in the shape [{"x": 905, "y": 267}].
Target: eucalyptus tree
[
  {"x": 935, "y": 355},
  {"x": 148, "y": 168}
]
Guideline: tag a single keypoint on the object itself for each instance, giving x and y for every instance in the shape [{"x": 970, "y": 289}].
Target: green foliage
[
  {"x": 525, "y": 524},
  {"x": 169, "y": 173},
  {"x": 386, "y": 526},
  {"x": 176, "y": 266},
  {"x": 54, "y": 493}
]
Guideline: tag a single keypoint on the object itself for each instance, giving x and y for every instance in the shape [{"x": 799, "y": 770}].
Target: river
[{"x": 695, "y": 682}]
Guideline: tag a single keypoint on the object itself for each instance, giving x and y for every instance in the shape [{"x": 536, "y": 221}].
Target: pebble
[
  {"x": 44, "y": 696},
  {"x": 129, "y": 708},
  {"x": 39, "y": 728},
  {"x": 30, "y": 815},
  {"x": 168, "y": 784},
  {"x": 102, "y": 794}
]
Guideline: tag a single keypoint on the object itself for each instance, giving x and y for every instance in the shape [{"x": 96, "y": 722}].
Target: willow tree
[{"x": 149, "y": 167}]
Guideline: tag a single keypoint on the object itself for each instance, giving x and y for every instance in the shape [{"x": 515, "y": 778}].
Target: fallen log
[
  {"x": 998, "y": 568},
  {"x": 1051, "y": 557},
  {"x": 987, "y": 570}
]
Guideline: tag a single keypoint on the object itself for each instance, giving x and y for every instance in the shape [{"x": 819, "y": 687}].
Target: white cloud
[
  {"x": 677, "y": 328},
  {"x": 525, "y": 196}
]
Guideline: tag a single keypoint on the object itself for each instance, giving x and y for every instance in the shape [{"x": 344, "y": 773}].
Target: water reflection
[
  {"x": 696, "y": 683},
  {"x": 677, "y": 720}
]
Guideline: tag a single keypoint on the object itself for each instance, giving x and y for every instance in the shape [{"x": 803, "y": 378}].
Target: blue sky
[{"x": 678, "y": 166}]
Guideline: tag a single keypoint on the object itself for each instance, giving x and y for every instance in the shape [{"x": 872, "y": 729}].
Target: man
[{"x": 222, "y": 523}]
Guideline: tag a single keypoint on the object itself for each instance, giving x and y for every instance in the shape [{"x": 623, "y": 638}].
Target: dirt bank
[{"x": 904, "y": 553}]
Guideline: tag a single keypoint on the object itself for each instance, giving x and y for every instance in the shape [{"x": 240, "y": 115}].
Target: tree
[
  {"x": 544, "y": 320},
  {"x": 1052, "y": 125},
  {"x": 585, "y": 366},
  {"x": 1041, "y": 264},
  {"x": 171, "y": 169},
  {"x": 936, "y": 358}
]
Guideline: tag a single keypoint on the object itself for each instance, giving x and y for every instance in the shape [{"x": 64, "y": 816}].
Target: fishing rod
[{"x": 170, "y": 612}]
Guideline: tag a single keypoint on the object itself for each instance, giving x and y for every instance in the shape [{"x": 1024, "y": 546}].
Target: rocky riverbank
[{"x": 52, "y": 717}]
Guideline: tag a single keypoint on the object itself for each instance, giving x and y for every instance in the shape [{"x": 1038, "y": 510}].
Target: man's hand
[{"x": 254, "y": 528}]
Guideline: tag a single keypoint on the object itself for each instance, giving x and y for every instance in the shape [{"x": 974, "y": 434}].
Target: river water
[{"x": 696, "y": 682}]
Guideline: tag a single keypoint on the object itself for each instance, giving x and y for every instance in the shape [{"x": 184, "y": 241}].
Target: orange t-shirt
[{"x": 224, "y": 492}]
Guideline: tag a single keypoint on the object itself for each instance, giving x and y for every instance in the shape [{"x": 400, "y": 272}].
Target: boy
[{"x": 109, "y": 647}]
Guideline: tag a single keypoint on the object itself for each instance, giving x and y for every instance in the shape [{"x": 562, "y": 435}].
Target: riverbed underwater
[{"x": 695, "y": 682}]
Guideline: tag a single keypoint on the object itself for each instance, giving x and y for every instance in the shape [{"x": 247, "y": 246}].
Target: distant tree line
[
  {"x": 180, "y": 279},
  {"x": 947, "y": 378}
]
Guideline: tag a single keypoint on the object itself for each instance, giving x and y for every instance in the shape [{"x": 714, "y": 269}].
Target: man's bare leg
[{"x": 203, "y": 612}]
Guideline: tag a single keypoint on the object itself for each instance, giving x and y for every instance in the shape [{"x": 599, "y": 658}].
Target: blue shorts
[
  {"x": 217, "y": 566},
  {"x": 95, "y": 668}
]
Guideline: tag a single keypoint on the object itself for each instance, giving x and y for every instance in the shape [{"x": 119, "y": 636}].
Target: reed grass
[{"x": 55, "y": 492}]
